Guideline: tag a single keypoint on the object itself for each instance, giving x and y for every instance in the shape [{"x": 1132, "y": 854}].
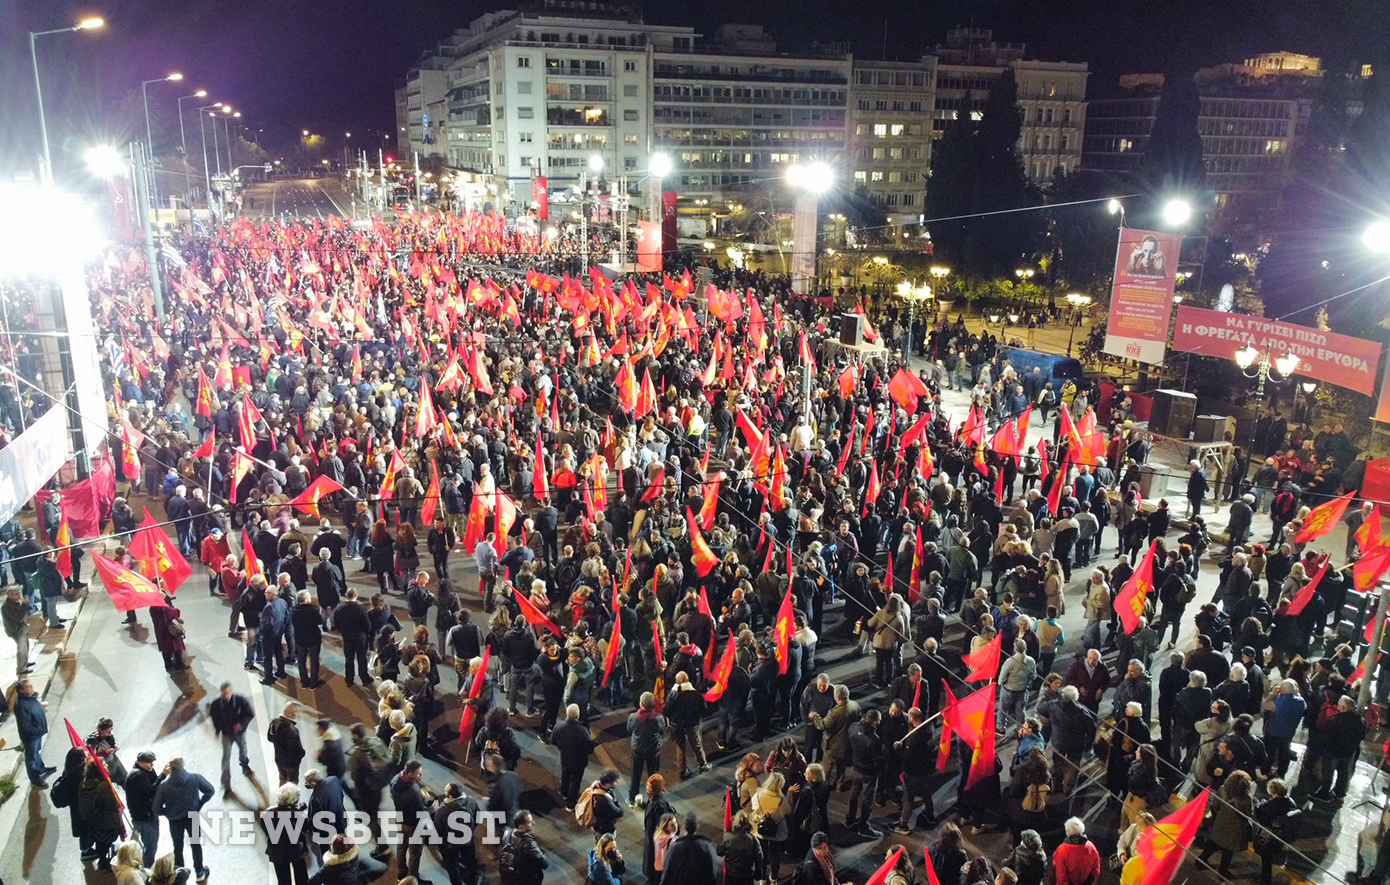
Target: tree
[
  {"x": 1173, "y": 162},
  {"x": 1083, "y": 235},
  {"x": 976, "y": 172}
]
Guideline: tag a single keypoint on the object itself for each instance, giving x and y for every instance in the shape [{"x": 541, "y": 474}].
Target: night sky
[{"x": 330, "y": 65}]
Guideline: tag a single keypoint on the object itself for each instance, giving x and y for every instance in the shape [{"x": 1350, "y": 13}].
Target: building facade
[
  {"x": 1250, "y": 117},
  {"x": 890, "y": 134}
]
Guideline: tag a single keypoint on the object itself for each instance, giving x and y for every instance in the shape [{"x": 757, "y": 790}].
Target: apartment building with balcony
[{"x": 891, "y": 105}]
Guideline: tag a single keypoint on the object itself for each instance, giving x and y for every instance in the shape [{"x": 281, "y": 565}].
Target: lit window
[
  {"x": 876, "y": 176},
  {"x": 977, "y": 116},
  {"x": 861, "y": 176},
  {"x": 881, "y": 129},
  {"x": 630, "y": 138},
  {"x": 897, "y": 129}
]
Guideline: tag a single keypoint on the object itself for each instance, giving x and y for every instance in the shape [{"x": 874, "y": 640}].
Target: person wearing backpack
[
  {"x": 597, "y": 808},
  {"x": 418, "y": 598},
  {"x": 369, "y": 765},
  {"x": 520, "y": 861}
]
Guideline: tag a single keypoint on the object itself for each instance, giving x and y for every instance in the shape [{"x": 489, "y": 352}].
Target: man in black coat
[
  {"x": 458, "y": 856},
  {"x": 575, "y": 744},
  {"x": 520, "y": 860},
  {"x": 354, "y": 626},
  {"x": 691, "y": 859},
  {"x": 607, "y": 809},
  {"x": 230, "y": 714},
  {"x": 412, "y": 807},
  {"x": 732, "y": 704},
  {"x": 140, "y": 785},
  {"x": 307, "y": 619},
  {"x": 1342, "y": 737},
  {"x": 1172, "y": 680},
  {"x": 547, "y": 522},
  {"x": 866, "y": 758},
  {"x": 32, "y": 721},
  {"x": 330, "y": 585}
]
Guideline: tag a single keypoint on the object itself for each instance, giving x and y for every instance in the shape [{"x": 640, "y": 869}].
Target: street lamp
[
  {"x": 202, "y": 132},
  {"x": 149, "y": 135},
  {"x": 659, "y": 165},
  {"x": 183, "y": 140},
  {"x": 1116, "y": 207},
  {"x": 809, "y": 180},
  {"x": 1077, "y": 301},
  {"x": 1025, "y": 273},
  {"x": 913, "y": 295},
  {"x": 1307, "y": 387},
  {"x": 1255, "y": 363},
  {"x": 1176, "y": 213},
  {"x": 1377, "y": 236},
  {"x": 87, "y": 24}
]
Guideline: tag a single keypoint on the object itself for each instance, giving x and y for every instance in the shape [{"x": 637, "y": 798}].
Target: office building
[{"x": 890, "y": 135}]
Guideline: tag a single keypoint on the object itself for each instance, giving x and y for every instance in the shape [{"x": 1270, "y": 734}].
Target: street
[{"x": 296, "y": 198}]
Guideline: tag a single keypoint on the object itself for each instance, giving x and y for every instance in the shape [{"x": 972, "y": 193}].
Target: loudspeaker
[
  {"x": 1172, "y": 413},
  {"x": 851, "y": 329},
  {"x": 1213, "y": 428}
]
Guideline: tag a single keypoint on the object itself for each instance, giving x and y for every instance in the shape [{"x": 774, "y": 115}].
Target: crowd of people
[{"x": 667, "y": 505}]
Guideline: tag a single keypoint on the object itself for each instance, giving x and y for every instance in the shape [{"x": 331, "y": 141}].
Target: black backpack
[{"x": 507, "y": 867}]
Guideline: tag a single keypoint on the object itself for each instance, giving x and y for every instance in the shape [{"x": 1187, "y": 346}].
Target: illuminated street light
[
  {"x": 1077, "y": 301},
  {"x": 1176, "y": 213},
  {"x": 596, "y": 163},
  {"x": 1115, "y": 206},
  {"x": 813, "y": 177},
  {"x": 659, "y": 165},
  {"x": 86, "y": 24},
  {"x": 1377, "y": 236},
  {"x": 105, "y": 161}
]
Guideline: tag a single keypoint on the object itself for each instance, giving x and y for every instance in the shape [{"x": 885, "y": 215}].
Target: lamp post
[
  {"x": 939, "y": 273},
  {"x": 183, "y": 140},
  {"x": 1307, "y": 387},
  {"x": 86, "y": 24},
  {"x": 227, "y": 130},
  {"x": 1259, "y": 364},
  {"x": 149, "y": 134},
  {"x": 202, "y": 131},
  {"x": 809, "y": 180},
  {"x": 1077, "y": 301},
  {"x": 912, "y": 295}
]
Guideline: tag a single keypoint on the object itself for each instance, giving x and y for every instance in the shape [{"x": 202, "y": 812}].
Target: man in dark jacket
[
  {"x": 521, "y": 650},
  {"x": 230, "y": 714},
  {"x": 866, "y": 757},
  {"x": 732, "y": 704},
  {"x": 691, "y": 859},
  {"x": 684, "y": 708},
  {"x": 1171, "y": 680},
  {"x": 607, "y": 809},
  {"x": 646, "y": 727},
  {"x": 307, "y": 618},
  {"x": 918, "y": 752},
  {"x": 1072, "y": 732},
  {"x": 354, "y": 626},
  {"x": 50, "y": 588},
  {"x": 331, "y": 754},
  {"x": 330, "y": 585},
  {"x": 412, "y": 807},
  {"x": 1191, "y": 705},
  {"x": 1209, "y": 661},
  {"x": 181, "y": 793},
  {"x": 274, "y": 621},
  {"x": 520, "y": 860},
  {"x": 572, "y": 739},
  {"x": 32, "y": 721},
  {"x": 283, "y": 735},
  {"x": 1342, "y": 737},
  {"x": 140, "y": 787},
  {"x": 458, "y": 856}
]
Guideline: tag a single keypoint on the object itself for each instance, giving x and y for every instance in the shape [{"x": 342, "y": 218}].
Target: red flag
[
  {"x": 728, "y": 809},
  {"x": 880, "y": 876},
  {"x": 477, "y": 521},
  {"x": 541, "y": 483},
  {"x": 646, "y": 396},
  {"x": 906, "y": 388},
  {"x": 1305, "y": 595},
  {"x": 615, "y": 641},
  {"x": 209, "y": 446},
  {"x": 656, "y": 644},
  {"x": 470, "y": 711},
  {"x": 914, "y": 581},
  {"x": 711, "y": 503},
  {"x": 1162, "y": 847},
  {"x": 916, "y": 431},
  {"x": 425, "y": 418},
  {"x": 844, "y": 452},
  {"x": 253, "y": 565},
  {"x": 130, "y": 451},
  {"x": 393, "y": 470},
  {"x": 505, "y": 512},
  {"x": 1069, "y": 433},
  {"x": 1369, "y": 568},
  {"x": 534, "y": 615},
  {"x": 982, "y": 763},
  {"x": 1130, "y": 603},
  {"x": 204, "y": 404},
  {"x": 223, "y": 378},
  {"x": 700, "y": 554},
  {"x": 872, "y": 491},
  {"x": 847, "y": 381},
  {"x": 128, "y": 589},
  {"x": 948, "y": 712},
  {"x": 722, "y": 671},
  {"x": 431, "y": 502},
  {"x": 308, "y": 500},
  {"x": 157, "y": 556},
  {"x": 64, "y": 544},
  {"x": 1323, "y": 517},
  {"x": 984, "y": 664},
  {"x": 785, "y": 626},
  {"x": 1368, "y": 535},
  {"x": 654, "y": 489},
  {"x": 931, "y": 870},
  {"x": 1054, "y": 494},
  {"x": 246, "y": 421}
]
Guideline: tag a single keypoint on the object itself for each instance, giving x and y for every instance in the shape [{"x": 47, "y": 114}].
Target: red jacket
[
  {"x": 214, "y": 552},
  {"x": 1076, "y": 863}
]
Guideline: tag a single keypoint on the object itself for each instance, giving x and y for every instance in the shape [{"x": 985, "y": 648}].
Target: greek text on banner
[{"x": 1337, "y": 359}]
